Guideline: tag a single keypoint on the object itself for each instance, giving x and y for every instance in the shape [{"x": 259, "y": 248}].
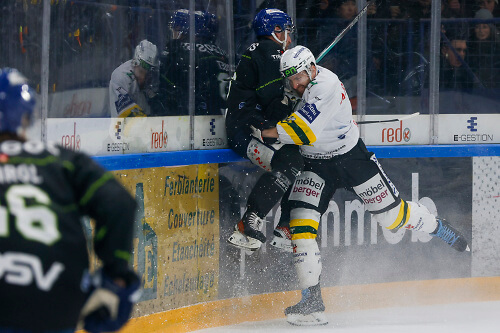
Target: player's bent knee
[{"x": 289, "y": 161}]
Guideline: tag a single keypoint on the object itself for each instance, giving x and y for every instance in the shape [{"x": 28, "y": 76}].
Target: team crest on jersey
[{"x": 310, "y": 112}]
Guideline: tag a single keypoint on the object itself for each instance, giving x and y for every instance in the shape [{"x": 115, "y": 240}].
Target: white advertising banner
[
  {"x": 210, "y": 132},
  {"x": 80, "y": 103},
  {"x": 147, "y": 135},
  {"x": 413, "y": 131},
  {"x": 94, "y": 136},
  {"x": 469, "y": 128},
  {"x": 109, "y": 136}
]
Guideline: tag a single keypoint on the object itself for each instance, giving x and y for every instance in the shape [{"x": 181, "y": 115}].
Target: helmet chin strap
[{"x": 282, "y": 42}]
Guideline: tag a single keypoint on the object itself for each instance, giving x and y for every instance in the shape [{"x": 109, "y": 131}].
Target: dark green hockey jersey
[{"x": 44, "y": 192}]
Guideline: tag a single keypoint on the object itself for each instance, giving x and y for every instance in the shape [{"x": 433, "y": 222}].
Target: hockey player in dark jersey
[
  {"x": 44, "y": 192},
  {"x": 211, "y": 67},
  {"x": 256, "y": 101}
]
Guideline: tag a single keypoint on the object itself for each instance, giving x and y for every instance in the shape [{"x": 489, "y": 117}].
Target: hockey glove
[
  {"x": 109, "y": 305},
  {"x": 259, "y": 122},
  {"x": 279, "y": 109}
]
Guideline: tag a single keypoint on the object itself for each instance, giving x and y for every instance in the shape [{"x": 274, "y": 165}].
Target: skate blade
[
  {"x": 313, "y": 319},
  {"x": 282, "y": 245},
  {"x": 241, "y": 241}
]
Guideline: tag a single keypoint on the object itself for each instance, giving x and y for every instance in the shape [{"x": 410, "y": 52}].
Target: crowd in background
[{"x": 90, "y": 39}]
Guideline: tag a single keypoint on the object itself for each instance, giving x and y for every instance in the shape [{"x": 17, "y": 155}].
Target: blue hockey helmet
[
  {"x": 206, "y": 24},
  {"x": 180, "y": 21},
  {"x": 266, "y": 21},
  {"x": 17, "y": 101}
]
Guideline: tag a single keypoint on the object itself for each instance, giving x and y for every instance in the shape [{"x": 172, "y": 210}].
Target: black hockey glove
[
  {"x": 279, "y": 109},
  {"x": 259, "y": 122},
  {"x": 109, "y": 305}
]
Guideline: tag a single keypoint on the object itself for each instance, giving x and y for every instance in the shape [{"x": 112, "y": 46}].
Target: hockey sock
[
  {"x": 267, "y": 192},
  {"x": 307, "y": 262},
  {"x": 306, "y": 255}
]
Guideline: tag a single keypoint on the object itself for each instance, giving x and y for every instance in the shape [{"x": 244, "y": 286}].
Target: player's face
[
  {"x": 280, "y": 34},
  {"x": 299, "y": 82},
  {"x": 140, "y": 75}
]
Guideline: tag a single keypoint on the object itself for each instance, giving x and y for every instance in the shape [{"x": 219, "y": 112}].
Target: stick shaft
[
  {"x": 342, "y": 33},
  {"x": 388, "y": 120}
]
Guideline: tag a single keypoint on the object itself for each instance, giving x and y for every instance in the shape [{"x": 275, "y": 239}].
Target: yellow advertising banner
[{"x": 176, "y": 245}]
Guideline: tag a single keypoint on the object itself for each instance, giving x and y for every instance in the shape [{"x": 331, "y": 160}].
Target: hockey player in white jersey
[
  {"x": 133, "y": 82},
  {"x": 335, "y": 157}
]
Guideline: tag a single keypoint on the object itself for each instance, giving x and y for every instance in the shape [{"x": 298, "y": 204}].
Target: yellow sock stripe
[
  {"x": 304, "y": 222},
  {"x": 303, "y": 228},
  {"x": 304, "y": 235},
  {"x": 403, "y": 216}
]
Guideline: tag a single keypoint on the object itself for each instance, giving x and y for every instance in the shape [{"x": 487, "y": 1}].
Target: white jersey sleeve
[
  {"x": 122, "y": 88},
  {"x": 322, "y": 123}
]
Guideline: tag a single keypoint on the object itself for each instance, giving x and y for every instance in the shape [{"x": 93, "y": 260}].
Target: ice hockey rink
[{"x": 480, "y": 317}]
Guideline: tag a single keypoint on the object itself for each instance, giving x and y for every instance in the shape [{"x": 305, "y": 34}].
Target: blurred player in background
[
  {"x": 134, "y": 83},
  {"x": 335, "y": 157},
  {"x": 255, "y": 102},
  {"x": 211, "y": 67},
  {"x": 44, "y": 192}
]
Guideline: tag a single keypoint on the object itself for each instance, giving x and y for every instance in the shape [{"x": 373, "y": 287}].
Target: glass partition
[{"x": 196, "y": 45}]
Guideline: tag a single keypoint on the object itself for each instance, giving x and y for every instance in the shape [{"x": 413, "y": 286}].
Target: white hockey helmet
[
  {"x": 146, "y": 55},
  {"x": 296, "y": 60}
]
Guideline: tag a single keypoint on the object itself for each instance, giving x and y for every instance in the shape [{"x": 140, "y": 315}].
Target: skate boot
[
  {"x": 282, "y": 239},
  {"x": 450, "y": 235},
  {"x": 247, "y": 233},
  {"x": 309, "y": 311}
]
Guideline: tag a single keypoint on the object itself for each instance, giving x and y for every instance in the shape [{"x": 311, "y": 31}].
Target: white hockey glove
[{"x": 109, "y": 305}]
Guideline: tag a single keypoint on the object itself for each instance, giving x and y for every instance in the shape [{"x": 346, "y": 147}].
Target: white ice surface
[{"x": 480, "y": 317}]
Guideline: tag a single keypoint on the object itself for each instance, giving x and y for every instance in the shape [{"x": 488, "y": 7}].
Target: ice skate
[
  {"x": 450, "y": 235},
  {"x": 309, "y": 311},
  {"x": 247, "y": 233},
  {"x": 282, "y": 239}
]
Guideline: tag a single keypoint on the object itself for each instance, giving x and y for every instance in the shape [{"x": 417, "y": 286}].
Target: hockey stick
[
  {"x": 342, "y": 33},
  {"x": 388, "y": 120}
]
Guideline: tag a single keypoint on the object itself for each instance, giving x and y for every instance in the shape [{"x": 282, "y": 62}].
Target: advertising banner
[
  {"x": 413, "y": 131},
  {"x": 109, "y": 136},
  {"x": 79, "y": 103},
  {"x": 355, "y": 249},
  {"x": 469, "y": 128},
  {"x": 156, "y": 134},
  {"x": 210, "y": 132},
  {"x": 176, "y": 249},
  {"x": 94, "y": 136}
]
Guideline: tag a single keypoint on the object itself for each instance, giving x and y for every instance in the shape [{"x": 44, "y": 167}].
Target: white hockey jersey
[
  {"x": 125, "y": 97},
  {"x": 322, "y": 122}
]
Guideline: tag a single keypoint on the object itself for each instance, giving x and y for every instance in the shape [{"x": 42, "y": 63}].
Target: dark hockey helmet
[
  {"x": 180, "y": 21},
  {"x": 268, "y": 19},
  {"x": 17, "y": 101},
  {"x": 206, "y": 24}
]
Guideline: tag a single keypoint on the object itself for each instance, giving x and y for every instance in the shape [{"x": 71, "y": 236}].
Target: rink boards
[{"x": 192, "y": 279}]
